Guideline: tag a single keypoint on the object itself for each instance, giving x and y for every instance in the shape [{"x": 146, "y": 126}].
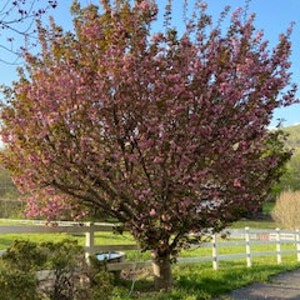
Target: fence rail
[{"x": 246, "y": 238}]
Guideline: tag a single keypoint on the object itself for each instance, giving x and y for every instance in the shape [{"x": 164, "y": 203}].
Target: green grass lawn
[
  {"x": 199, "y": 281},
  {"x": 107, "y": 238},
  {"x": 101, "y": 238},
  {"x": 261, "y": 224}
]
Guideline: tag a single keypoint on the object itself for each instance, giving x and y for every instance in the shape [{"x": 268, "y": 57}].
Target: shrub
[
  {"x": 25, "y": 256},
  {"x": 17, "y": 285},
  {"x": 287, "y": 210},
  {"x": 18, "y": 280},
  {"x": 66, "y": 259},
  {"x": 72, "y": 278},
  {"x": 101, "y": 286}
]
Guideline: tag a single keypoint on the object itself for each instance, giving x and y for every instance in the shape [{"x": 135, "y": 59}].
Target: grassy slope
[{"x": 294, "y": 135}]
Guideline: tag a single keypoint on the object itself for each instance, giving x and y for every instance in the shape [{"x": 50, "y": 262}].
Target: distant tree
[
  {"x": 10, "y": 204},
  {"x": 7, "y": 188},
  {"x": 287, "y": 209},
  {"x": 167, "y": 133}
]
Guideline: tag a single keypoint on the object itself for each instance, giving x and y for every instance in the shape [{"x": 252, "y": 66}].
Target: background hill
[
  {"x": 294, "y": 135},
  {"x": 291, "y": 179}
]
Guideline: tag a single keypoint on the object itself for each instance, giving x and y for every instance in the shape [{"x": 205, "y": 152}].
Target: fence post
[
  {"x": 278, "y": 246},
  {"x": 248, "y": 248},
  {"x": 214, "y": 252},
  {"x": 298, "y": 244},
  {"x": 89, "y": 240}
]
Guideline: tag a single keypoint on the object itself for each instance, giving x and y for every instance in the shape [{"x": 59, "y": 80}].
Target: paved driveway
[{"x": 283, "y": 286}]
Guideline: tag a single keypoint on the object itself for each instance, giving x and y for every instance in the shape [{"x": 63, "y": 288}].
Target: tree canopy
[{"x": 165, "y": 131}]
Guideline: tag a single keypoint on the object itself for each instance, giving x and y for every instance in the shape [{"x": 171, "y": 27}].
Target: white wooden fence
[
  {"x": 246, "y": 238},
  {"x": 252, "y": 237}
]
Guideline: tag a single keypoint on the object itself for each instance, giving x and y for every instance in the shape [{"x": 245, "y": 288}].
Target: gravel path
[{"x": 283, "y": 286}]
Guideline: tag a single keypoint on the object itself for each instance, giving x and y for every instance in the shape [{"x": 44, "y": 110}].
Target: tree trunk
[{"x": 163, "y": 278}]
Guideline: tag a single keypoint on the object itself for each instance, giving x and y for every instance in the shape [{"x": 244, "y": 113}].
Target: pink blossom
[
  {"x": 237, "y": 183},
  {"x": 152, "y": 212}
]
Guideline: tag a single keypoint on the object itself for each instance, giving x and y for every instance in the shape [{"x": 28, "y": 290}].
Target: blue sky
[{"x": 273, "y": 16}]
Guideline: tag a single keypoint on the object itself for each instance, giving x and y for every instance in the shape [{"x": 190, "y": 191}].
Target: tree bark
[{"x": 163, "y": 278}]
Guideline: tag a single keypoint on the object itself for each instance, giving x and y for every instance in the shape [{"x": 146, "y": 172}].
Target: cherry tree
[
  {"x": 17, "y": 19},
  {"x": 166, "y": 132}
]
